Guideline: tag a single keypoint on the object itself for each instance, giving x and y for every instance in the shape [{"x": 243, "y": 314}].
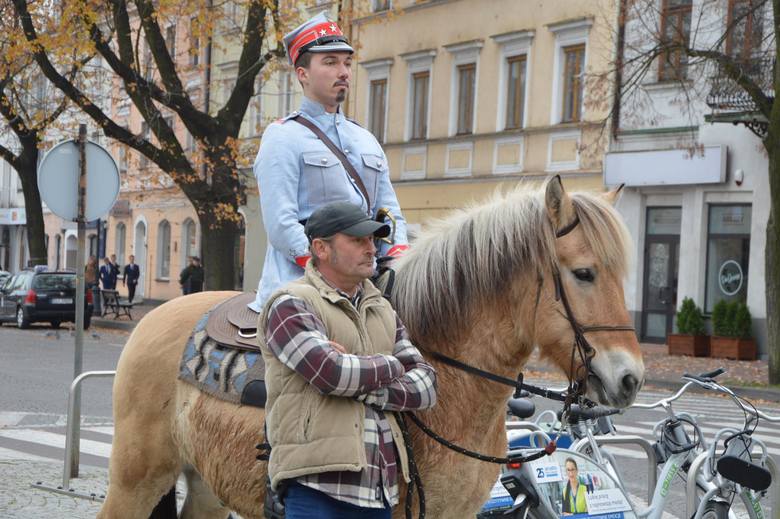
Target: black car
[{"x": 30, "y": 297}]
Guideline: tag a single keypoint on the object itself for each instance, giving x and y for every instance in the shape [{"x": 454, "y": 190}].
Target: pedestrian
[
  {"x": 115, "y": 266},
  {"x": 296, "y": 160},
  {"x": 108, "y": 275},
  {"x": 130, "y": 277},
  {"x": 91, "y": 273},
  {"x": 191, "y": 278},
  {"x": 346, "y": 377}
]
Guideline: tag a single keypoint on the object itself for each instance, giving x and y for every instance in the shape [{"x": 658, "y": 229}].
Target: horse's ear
[
  {"x": 613, "y": 195},
  {"x": 559, "y": 206}
]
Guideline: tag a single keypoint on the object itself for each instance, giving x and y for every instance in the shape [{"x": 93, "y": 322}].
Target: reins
[{"x": 577, "y": 387}]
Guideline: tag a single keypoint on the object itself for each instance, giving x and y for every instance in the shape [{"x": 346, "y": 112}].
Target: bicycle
[{"x": 536, "y": 488}]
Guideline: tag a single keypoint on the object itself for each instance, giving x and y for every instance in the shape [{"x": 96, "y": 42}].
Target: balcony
[{"x": 729, "y": 101}]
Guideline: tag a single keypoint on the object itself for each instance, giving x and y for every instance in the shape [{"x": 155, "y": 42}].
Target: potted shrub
[
  {"x": 731, "y": 325},
  {"x": 691, "y": 339}
]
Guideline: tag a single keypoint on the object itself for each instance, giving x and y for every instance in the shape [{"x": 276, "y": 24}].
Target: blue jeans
[{"x": 302, "y": 502}]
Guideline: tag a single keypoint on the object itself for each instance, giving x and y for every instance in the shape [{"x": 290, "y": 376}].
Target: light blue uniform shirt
[{"x": 296, "y": 173}]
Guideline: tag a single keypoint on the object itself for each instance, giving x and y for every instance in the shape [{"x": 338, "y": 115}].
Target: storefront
[{"x": 698, "y": 218}]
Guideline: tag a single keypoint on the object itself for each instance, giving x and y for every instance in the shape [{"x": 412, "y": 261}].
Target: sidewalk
[
  {"x": 746, "y": 378},
  {"x": 138, "y": 311}
]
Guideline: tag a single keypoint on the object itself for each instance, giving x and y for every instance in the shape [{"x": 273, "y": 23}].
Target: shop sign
[
  {"x": 730, "y": 277},
  {"x": 14, "y": 216}
]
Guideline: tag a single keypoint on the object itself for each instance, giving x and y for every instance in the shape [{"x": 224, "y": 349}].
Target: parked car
[
  {"x": 4, "y": 276},
  {"x": 30, "y": 297}
]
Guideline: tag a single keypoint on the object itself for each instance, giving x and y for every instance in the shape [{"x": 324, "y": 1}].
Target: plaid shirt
[{"x": 402, "y": 381}]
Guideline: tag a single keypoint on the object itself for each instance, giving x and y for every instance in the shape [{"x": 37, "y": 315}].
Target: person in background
[
  {"x": 191, "y": 278},
  {"x": 108, "y": 275},
  {"x": 130, "y": 278},
  {"x": 91, "y": 273},
  {"x": 116, "y": 268}
]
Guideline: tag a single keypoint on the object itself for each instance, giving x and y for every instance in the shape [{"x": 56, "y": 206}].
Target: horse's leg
[{"x": 201, "y": 503}]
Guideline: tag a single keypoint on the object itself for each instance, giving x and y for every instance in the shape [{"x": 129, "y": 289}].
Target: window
[
  {"x": 143, "y": 161},
  {"x": 123, "y": 160},
  {"x": 675, "y": 32},
  {"x": 381, "y": 5},
  {"x": 728, "y": 253},
  {"x": 376, "y": 115},
  {"x": 194, "y": 42},
  {"x": 147, "y": 63},
  {"x": 285, "y": 91},
  {"x": 573, "y": 75},
  {"x": 466, "y": 82},
  {"x": 121, "y": 234},
  {"x": 170, "y": 40},
  {"x": 744, "y": 29},
  {"x": 515, "y": 91},
  {"x": 93, "y": 245},
  {"x": 164, "y": 250},
  {"x": 189, "y": 240},
  {"x": 420, "y": 104}
]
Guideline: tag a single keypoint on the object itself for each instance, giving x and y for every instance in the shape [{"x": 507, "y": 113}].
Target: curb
[{"x": 115, "y": 325}]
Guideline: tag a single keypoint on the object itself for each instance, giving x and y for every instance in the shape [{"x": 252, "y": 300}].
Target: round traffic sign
[{"x": 58, "y": 180}]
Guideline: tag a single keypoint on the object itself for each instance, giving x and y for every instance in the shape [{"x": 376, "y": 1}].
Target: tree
[
  {"x": 28, "y": 110},
  {"x": 724, "y": 52},
  {"x": 130, "y": 39}
]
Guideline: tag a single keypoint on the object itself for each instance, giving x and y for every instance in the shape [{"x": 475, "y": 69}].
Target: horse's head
[{"x": 586, "y": 275}]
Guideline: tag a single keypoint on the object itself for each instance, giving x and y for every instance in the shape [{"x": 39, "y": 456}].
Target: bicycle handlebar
[
  {"x": 706, "y": 376},
  {"x": 577, "y": 413}
]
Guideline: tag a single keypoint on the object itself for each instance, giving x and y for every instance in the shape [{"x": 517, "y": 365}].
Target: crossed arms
[{"x": 402, "y": 381}]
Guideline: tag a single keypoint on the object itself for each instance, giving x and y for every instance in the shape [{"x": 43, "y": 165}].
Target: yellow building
[{"x": 467, "y": 96}]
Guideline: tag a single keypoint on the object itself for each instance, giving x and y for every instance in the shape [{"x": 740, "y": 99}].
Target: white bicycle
[{"x": 735, "y": 463}]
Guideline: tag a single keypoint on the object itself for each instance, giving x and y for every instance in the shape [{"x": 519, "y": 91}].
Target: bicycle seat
[
  {"x": 744, "y": 472},
  {"x": 521, "y": 407}
]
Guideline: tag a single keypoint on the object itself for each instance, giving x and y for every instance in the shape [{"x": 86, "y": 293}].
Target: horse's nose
[{"x": 630, "y": 384}]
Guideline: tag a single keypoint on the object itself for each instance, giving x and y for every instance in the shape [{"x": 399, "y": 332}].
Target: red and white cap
[{"x": 317, "y": 35}]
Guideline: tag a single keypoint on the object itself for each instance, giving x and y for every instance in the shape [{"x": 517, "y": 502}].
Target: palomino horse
[{"x": 477, "y": 287}]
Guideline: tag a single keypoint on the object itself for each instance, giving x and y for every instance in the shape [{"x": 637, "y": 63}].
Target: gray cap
[
  {"x": 317, "y": 35},
  {"x": 343, "y": 217}
]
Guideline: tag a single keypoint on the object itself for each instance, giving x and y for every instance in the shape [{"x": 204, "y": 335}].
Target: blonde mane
[{"x": 463, "y": 261}]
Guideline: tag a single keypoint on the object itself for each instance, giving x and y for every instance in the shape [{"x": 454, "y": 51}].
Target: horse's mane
[{"x": 463, "y": 261}]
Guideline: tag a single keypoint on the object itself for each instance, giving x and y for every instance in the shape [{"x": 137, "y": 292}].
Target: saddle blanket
[{"x": 236, "y": 376}]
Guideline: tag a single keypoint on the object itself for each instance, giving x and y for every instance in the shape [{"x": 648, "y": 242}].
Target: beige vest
[{"x": 311, "y": 433}]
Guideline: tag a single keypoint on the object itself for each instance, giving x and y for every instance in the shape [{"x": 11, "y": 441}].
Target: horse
[{"x": 478, "y": 286}]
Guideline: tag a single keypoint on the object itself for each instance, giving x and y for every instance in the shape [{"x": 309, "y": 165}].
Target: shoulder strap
[{"x": 339, "y": 154}]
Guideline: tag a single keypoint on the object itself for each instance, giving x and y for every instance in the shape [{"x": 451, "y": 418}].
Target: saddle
[{"x": 233, "y": 324}]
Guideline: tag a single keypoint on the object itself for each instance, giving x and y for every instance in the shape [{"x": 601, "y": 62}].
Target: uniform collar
[{"x": 315, "y": 110}]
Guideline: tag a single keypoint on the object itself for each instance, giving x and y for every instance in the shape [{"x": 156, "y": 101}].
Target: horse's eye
[{"x": 584, "y": 275}]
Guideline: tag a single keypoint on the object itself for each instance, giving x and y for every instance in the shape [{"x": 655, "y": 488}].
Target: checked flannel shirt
[{"x": 297, "y": 337}]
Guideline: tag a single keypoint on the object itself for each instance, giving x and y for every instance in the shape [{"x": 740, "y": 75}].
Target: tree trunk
[
  {"x": 772, "y": 259},
  {"x": 32, "y": 204},
  {"x": 218, "y": 246}
]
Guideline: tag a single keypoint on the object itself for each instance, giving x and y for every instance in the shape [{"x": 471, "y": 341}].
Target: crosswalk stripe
[
  {"x": 642, "y": 431},
  {"x": 50, "y": 439},
  {"x": 102, "y": 430},
  {"x": 11, "y": 454}
]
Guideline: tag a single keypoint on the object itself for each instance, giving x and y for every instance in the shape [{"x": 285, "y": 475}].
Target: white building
[{"x": 697, "y": 189}]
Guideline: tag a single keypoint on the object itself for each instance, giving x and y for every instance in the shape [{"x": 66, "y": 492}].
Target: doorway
[{"x": 661, "y": 264}]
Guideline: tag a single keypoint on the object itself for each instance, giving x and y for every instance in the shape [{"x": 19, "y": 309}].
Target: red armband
[
  {"x": 302, "y": 261},
  {"x": 397, "y": 251}
]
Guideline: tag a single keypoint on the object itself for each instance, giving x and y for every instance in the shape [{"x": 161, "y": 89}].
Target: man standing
[
  {"x": 298, "y": 171},
  {"x": 337, "y": 360},
  {"x": 115, "y": 267},
  {"x": 108, "y": 275},
  {"x": 191, "y": 278},
  {"x": 130, "y": 278}
]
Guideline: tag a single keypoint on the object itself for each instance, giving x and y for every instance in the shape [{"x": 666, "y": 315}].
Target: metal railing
[
  {"x": 72, "y": 438},
  {"x": 727, "y": 95}
]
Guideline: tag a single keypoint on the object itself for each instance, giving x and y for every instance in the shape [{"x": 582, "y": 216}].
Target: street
[{"x": 36, "y": 370}]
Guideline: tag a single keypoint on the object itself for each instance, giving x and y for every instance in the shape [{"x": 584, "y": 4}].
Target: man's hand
[{"x": 338, "y": 347}]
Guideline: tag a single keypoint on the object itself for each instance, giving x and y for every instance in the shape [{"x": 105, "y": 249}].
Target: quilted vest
[{"x": 312, "y": 433}]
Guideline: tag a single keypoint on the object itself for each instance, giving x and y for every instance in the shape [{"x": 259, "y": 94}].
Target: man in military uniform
[{"x": 296, "y": 169}]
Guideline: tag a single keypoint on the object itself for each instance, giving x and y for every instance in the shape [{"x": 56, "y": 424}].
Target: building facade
[
  {"x": 697, "y": 195},
  {"x": 466, "y": 97}
]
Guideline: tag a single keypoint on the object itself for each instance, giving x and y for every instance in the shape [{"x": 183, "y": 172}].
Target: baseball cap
[{"x": 343, "y": 217}]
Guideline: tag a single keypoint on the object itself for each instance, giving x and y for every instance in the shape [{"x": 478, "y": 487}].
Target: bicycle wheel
[{"x": 715, "y": 510}]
